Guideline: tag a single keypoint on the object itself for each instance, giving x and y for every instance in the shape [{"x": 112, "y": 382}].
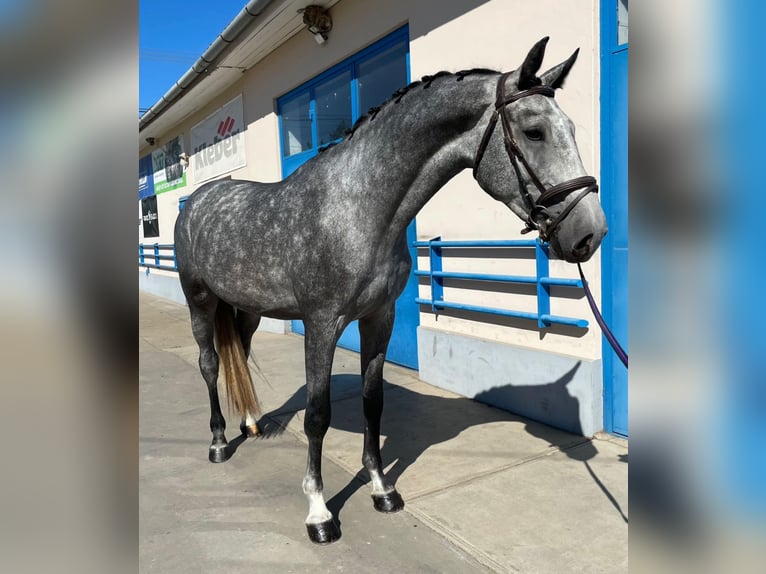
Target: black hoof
[
  {"x": 219, "y": 454},
  {"x": 324, "y": 532},
  {"x": 250, "y": 431},
  {"x": 389, "y": 502}
]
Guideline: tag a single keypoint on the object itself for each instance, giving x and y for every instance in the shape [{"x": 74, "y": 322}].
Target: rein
[
  {"x": 538, "y": 216},
  {"x": 619, "y": 351}
]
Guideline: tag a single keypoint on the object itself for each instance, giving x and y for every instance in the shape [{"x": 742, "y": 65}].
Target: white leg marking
[
  {"x": 379, "y": 483},
  {"x": 317, "y": 509}
]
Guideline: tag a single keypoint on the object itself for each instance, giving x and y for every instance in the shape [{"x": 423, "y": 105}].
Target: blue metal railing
[
  {"x": 541, "y": 280},
  {"x": 154, "y": 253}
]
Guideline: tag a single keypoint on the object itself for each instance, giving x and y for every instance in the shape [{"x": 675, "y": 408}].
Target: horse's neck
[{"x": 422, "y": 142}]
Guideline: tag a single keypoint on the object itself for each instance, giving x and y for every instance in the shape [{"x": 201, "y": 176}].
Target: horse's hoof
[
  {"x": 324, "y": 532},
  {"x": 389, "y": 502},
  {"x": 250, "y": 431},
  {"x": 218, "y": 453}
]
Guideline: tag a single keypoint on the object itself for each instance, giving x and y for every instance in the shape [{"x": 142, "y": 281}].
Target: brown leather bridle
[{"x": 538, "y": 216}]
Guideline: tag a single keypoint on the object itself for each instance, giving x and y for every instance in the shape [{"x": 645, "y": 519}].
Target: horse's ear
[
  {"x": 531, "y": 65},
  {"x": 557, "y": 74}
]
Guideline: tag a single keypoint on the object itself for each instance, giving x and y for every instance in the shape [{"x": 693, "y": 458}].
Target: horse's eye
[{"x": 534, "y": 134}]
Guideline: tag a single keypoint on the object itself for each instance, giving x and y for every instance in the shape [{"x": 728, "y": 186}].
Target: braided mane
[{"x": 397, "y": 96}]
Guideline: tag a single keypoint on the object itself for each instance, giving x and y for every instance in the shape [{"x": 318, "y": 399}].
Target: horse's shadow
[{"x": 431, "y": 420}]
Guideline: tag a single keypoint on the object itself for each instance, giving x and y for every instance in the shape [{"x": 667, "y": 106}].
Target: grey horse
[{"x": 328, "y": 245}]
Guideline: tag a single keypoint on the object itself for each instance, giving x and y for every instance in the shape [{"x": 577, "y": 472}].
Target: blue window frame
[{"x": 318, "y": 112}]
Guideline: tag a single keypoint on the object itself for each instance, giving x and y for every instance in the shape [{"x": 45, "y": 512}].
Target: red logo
[{"x": 226, "y": 126}]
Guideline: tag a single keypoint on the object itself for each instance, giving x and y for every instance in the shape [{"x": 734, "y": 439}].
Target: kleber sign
[{"x": 218, "y": 143}]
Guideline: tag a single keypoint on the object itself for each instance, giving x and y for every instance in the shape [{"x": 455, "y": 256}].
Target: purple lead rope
[{"x": 600, "y": 320}]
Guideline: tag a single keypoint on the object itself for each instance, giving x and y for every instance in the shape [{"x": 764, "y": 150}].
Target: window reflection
[
  {"x": 333, "y": 108},
  {"x": 381, "y": 76},
  {"x": 622, "y": 22},
  {"x": 296, "y": 125}
]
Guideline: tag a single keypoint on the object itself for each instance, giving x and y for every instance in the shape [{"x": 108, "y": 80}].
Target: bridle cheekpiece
[{"x": 538, "y": 216}]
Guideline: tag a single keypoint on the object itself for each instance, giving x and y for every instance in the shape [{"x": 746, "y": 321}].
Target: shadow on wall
[
  {"x": 503, "y": 321},
  {"x": 493, "y": 253},
  {"x": 435, "y": 14},
  {"x": 536, "y": 401},
  {"x": 528, "y": 289}
]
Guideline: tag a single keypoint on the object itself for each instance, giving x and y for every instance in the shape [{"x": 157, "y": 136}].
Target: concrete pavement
[{"x": 485, "y": 490}]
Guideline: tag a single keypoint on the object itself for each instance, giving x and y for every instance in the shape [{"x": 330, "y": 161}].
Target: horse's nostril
[{"x": 584, "y": 244}]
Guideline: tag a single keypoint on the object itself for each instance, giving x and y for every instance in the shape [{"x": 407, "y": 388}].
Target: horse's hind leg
[
  {"x": 320, "y": 346},
  {"x": 247, "y": 323},
  {"x": 375, "y": 332},
  {"x": 202, "y": 321}
]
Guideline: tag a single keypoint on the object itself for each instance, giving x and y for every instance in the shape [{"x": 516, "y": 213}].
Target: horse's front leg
[
  {"x": 375, "y": 332},
  {"x": 320, "y": 347}
]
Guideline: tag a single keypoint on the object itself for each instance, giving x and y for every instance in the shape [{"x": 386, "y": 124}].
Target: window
[
  {"x": 622, "y": 22},
  {"x": 333, "y": 108},
  {"x": 320, "y": 111},
  {"x": 296, "y": 125},
  {"x": 381, "y": 75}
]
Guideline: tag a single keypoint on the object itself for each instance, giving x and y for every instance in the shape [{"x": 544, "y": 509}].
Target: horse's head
[{"x": 531, "y": 162}]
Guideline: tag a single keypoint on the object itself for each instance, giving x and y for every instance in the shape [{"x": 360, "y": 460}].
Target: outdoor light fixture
[
  {"x": 150, "y": 141},
  {"x": 317, "y": 21},
  {"x": 184, "y": 159}
]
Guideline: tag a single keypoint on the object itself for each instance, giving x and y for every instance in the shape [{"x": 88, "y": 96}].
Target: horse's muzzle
[{"x": 580, "y": 248}]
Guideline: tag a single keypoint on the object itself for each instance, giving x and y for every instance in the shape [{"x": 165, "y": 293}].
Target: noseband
[{"x": 538, "y": 216}]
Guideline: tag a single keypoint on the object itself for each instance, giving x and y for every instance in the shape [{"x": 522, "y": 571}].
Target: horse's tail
[{"x": 240, "y": 391}]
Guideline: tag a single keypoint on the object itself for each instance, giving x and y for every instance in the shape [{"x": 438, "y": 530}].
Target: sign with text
[
  {"x": 149, "y": 217},
  {"x": 168, "y": 171},
  {"x": 218, "y": 142},
  {"x": 145, "y": 177}
]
